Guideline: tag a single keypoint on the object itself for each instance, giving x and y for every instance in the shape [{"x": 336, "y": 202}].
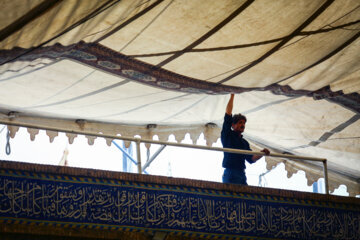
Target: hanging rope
[
  {"x": 262, "y": 176},
  {"x": 7, "y": 147}
]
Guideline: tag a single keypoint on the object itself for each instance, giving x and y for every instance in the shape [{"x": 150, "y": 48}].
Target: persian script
[{"x": 171, "y": 209}]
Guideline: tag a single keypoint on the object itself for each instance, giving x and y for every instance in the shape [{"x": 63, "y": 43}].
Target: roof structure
[{"x": 161, "y": 67}]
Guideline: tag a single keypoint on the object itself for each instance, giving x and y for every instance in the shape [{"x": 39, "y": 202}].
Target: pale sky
[{"x": 176, "y": 162}]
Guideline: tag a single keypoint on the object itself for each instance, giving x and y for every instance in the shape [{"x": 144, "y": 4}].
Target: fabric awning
[{"x": 294, "y": 66}]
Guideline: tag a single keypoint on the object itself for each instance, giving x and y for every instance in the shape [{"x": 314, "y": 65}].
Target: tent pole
[
  {"x": 139, "y": 140},
  {"x": 147, "y": 164},
  {"x": 138, "y": 153},
  {"x": 326, "y": 177},
  {"x": 108, "y": 136}
]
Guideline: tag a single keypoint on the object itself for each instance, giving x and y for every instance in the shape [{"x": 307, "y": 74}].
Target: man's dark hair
[{"x": 238, "y": 117}]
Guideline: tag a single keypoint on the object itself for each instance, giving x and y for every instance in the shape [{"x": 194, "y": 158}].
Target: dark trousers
[{"x": 234, "y": 176}]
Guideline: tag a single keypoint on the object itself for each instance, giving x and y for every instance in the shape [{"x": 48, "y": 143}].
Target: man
[{"x": 231, "y": 137}]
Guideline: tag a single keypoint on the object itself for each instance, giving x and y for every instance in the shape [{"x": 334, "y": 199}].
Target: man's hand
[
  {"x": 266, "y": 151},
  {"x": 257, "y": 157}
]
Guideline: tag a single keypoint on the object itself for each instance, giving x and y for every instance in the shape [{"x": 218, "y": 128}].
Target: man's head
[{"x": 238, "y": 123}]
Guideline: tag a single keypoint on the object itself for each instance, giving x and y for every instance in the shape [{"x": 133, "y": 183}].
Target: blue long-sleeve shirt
[{"x": 231, "y": 139}]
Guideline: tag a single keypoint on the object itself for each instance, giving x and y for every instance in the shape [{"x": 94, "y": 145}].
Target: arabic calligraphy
[{"x": 63, "y": 201}]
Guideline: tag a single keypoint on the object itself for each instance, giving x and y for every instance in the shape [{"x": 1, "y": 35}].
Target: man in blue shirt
[{"x": 231, "y": 137}]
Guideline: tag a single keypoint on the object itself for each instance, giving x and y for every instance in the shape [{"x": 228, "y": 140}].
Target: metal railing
[
  {"x": 140, "y": 140},
  {"x": 230, "y": 150}
]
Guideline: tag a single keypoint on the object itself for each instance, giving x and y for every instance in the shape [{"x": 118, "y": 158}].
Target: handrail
[{"x": 139, "y": 140}]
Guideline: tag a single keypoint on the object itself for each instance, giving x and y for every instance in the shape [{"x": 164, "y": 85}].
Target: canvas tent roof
[{"x": 122, "y": 66}]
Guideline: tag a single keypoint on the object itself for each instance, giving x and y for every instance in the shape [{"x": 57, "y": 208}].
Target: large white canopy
[{"x": 160, "y": 67}]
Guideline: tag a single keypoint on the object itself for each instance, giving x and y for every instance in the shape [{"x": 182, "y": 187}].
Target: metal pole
[
  {"x": 153, "y": 157},
  {"x": 162, "y": 143},
  {"x": 124, "y": 152},
  {"x": 294, "y": 157},
  {"x": 127, "y": 155},
  {"x": 138, "y": 155},
  {"x": 326, "y": 177}
]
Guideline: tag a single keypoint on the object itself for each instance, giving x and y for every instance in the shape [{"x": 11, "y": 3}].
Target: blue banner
[{"x": 105, "y": 202}]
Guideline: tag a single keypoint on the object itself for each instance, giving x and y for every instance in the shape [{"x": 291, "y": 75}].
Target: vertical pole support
[
  {"x": 326, "y": 178},
  {"x": 138, "y": 153}
]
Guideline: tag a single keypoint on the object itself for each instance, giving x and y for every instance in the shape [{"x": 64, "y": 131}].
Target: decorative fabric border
[
  {"x": 87, "y": 202},
  {"x": 108, "y": 60}
]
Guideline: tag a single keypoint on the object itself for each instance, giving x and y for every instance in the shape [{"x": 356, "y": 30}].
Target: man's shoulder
[{"x": 227, "y": 118}]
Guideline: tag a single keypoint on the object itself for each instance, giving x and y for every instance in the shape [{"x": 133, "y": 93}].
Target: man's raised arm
[{"x": 230, "y": 105}]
